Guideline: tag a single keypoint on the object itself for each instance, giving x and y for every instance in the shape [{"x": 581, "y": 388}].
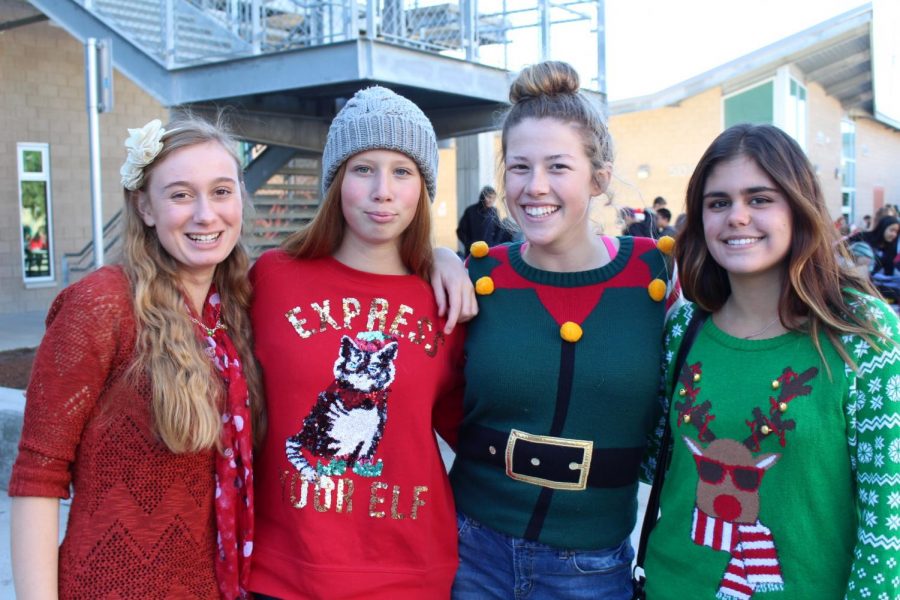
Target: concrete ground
[{"x": 21, "y": 330}]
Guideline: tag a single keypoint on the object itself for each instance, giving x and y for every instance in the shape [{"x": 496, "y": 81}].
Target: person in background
[
  {"x": 145, "y": 395},
  {"x": 481, "y": 222},
  {"x": 562, "y": 369},
  {"x": 663, "y": 220},
  {"x": 785, "y": 417}
]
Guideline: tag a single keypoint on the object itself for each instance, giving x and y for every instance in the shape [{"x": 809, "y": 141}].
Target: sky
[{"x": 653, "y": 44}]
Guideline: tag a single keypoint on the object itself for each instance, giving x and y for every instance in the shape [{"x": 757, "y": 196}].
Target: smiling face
[
  {"x": 549, "y": 183},
  {"x": 746, "y": 219},
  {"x": 193, "y": 201},
  {"x": 380, "y": 192},
  {"x": 890, "y": 233}
]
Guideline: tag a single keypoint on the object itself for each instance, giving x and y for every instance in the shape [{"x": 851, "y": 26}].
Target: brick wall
[
  {"x": 877, "y": 165},
  {"x": 669, "y": 141},
  {"x": 42, "y": 100}
]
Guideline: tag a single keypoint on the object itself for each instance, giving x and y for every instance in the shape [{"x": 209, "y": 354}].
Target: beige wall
[
  {"x": 823, "y": 143},
  {"x": 877, "y": 165},
  {"x": 42, "y": 100},
  {"x": 669, "y": 141},
  {"x": 443, "y": 212}
]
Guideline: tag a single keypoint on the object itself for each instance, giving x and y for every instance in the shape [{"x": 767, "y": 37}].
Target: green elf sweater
[
  {"x": 521, "y": 374},
  {"x": 784, "y": 480}
]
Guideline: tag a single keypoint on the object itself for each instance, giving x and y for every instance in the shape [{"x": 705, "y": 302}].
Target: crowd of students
[{"x": 235, "y": 432}]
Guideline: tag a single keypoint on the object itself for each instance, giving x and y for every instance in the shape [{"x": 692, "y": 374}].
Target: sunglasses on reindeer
[{"x": 745, "y": 478}]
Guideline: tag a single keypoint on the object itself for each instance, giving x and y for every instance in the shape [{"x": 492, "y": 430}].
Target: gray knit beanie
[{"x": 377, "y": 118}]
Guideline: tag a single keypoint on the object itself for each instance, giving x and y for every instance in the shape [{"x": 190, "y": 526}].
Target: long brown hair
[
  {"x": 813, "y": 299},
  {"x": 324, "y": 234},
  {"x": 186, "y": 392}
]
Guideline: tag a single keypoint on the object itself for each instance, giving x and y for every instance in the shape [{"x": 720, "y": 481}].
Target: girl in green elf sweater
[{"x": 785, "y": 472}]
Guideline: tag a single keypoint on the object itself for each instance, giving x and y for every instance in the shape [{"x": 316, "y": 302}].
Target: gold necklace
[
  {"x": 761, "y": 331},
  {"x": 211, "y": 332}
]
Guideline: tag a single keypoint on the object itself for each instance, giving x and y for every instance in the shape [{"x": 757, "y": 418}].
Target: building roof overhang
[{"x": 836, "y": 54}]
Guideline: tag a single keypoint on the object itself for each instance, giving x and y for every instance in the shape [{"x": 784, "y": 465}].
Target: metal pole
[
  {"x": 90, "y": 59},
  {"x": 601, "y": 50},
  {"x": 544, "y": 6}
]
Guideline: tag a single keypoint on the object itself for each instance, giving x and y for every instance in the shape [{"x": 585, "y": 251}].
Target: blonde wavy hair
[{"x": 187, "y": 393}]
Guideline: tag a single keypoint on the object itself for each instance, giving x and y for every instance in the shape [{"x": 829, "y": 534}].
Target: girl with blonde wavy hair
[{"x": 145, "y": 392}]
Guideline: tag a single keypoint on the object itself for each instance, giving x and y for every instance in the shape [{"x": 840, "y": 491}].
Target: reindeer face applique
[{"x": 730, "y": 475}]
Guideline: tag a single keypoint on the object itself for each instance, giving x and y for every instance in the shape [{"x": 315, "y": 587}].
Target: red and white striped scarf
[{"x": 754, "y": 561}]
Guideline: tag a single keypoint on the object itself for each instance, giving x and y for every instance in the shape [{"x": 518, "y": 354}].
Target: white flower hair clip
[{"x": 143, "y": 146}]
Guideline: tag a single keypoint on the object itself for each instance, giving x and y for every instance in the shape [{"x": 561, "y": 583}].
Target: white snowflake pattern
[
  {"x": 893, "y": 388},
  {"x": 893, "y": 522},
  {"x": 865, "y": 592},
  {"x": 879, "y": 460},
  {"x": 865, "y": 452},
  {"x": 873, "y": 560},
  {"x": 894, "y": 451},
  {"x": 879, "y": 442},
  {"x": 846, "y": 339},
  {"x": 677, "y": 330},
  {"x": 891, "y": 562},
  {"x": 876, "y": 402},
  {"x": 886, "y": 331},
  {"x": 861, "y": 348},
  {"x": 864, "y": 495},
  {"x": 870, "y": 518},
  {"x": 669, "y": 356},
  {"x": 893, "y": 500},
  {"x": 875, "y": 385}
]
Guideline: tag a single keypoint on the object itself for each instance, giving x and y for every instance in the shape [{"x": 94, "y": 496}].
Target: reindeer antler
[
  {"x": 791, "y": 386},
  {"x": 688, "y": 412}
]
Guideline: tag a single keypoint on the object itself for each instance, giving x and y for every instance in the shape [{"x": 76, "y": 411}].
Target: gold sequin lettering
[
  {"x": 395, "y": 500},
  {"x": 351, "y": 309},
  {"x": 324, "y": 312},
  {"x": 377, "y": 310},
  {"x": 298, "y": 323},
  {"x": 295, "y": 481},
  {"x": 324, "y": 485},
  {"x": 399, "y": 320},
  {"x": 375, "y": 499},
  {"x": 344, "y": 495},
  {"x": 417, "y": 501}
]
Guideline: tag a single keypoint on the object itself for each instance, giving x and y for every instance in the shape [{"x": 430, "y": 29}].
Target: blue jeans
[{"x": 493, "y": 565}]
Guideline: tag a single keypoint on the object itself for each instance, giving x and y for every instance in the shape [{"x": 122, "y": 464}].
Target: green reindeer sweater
[
  {"x": 523, "y": 374},
  {"x": 785, "y": 479}
]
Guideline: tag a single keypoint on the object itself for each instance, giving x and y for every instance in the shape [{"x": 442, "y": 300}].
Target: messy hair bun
[
  {"x": 551, "y": 78},
  {"x": 550, "y": 90}
]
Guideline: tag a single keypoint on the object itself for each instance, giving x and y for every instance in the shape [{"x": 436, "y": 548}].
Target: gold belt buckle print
[{"x": 587, "y": 447}]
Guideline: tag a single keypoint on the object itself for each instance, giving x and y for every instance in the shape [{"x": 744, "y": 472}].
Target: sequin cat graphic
[{"x": 347, "y": 421}]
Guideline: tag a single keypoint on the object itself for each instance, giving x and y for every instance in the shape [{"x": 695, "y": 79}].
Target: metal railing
[
  {"x": 83, "y": 260},
  {"x": 502, "y": 33}
]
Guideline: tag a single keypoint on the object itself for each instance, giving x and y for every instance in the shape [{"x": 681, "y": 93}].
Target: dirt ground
[{"x": 15, "y": 367}]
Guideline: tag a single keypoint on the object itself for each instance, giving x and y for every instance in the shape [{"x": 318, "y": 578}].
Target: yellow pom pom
[
  {"x": 479, "y": 249},
  {"x": 570, "y": 331},
  {"x": 666, "y": 244},
  {"x": 484, "y": 286},
  {"x": 657, "y": 289}
]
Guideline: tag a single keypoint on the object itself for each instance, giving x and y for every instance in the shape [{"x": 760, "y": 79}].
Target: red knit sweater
[
  {"x": 142, "y": 519},
  {"x": 387, "y": 528}
]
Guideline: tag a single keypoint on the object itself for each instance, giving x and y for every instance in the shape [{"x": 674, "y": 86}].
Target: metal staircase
[{"x": 286, "y": 202}]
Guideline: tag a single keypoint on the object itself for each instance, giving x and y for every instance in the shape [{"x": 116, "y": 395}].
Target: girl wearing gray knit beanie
[{"x": 354, "y": 500}]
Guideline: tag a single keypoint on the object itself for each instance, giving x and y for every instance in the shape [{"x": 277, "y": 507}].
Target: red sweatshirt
[{"x": 352, "y": 497}]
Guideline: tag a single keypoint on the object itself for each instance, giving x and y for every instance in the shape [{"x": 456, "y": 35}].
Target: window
[
  {"x": 848, "y": 169},
  {"x": 795, "y": 112},
  {"x": 35, "y": 212},
  {"x": 779, "y": 101},
  {"x": 753, "y": 105}
]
